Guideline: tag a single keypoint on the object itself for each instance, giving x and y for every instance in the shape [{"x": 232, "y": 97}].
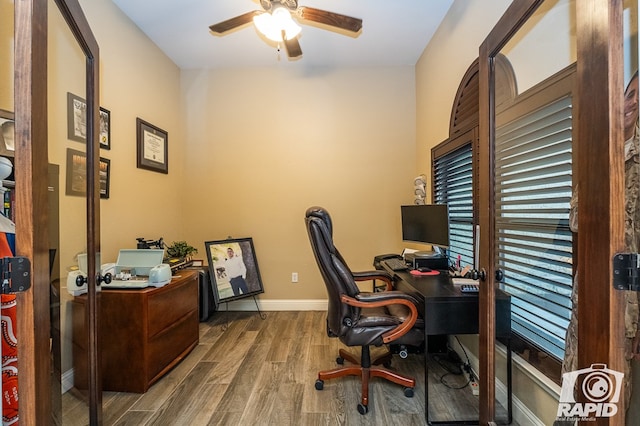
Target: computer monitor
[{"x": 426, "y": 224}]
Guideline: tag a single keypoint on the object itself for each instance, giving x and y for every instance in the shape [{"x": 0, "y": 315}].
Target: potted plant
[{"x": 181, "y": 250}]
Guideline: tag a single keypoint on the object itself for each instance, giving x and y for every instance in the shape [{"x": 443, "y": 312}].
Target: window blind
[
  {"x": 453, "y": 173},
  {"x": 533, "y": 241}
]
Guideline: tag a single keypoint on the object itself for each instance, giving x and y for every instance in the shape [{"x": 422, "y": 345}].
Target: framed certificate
[{"x": 152, "y": 147}]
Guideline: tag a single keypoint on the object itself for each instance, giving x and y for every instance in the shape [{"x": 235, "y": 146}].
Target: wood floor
[{"x": 262, "y": 372}]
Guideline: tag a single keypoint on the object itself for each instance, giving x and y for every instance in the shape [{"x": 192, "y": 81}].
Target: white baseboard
[{"x": 275, "y": 305}]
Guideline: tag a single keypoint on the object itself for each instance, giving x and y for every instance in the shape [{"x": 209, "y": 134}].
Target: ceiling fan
[{"x": 275, "y": 22}]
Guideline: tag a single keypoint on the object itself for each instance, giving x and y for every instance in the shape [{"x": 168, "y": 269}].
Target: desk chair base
[{"x": 363, "y": 368}]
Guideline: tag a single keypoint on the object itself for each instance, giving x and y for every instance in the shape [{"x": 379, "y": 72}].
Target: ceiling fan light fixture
[{"x": 271, "y": 25}]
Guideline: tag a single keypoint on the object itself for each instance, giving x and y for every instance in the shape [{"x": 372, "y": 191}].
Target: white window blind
[
  {"x": 533, "y": 240},
  {"x": 453, "y": 185}
]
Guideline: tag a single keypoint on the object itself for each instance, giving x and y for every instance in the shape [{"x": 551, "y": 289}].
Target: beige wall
[
  {"x": 136, "y": 80},
  {"x": 441, "y": 67},
  {"x": 266, "y": 144}
]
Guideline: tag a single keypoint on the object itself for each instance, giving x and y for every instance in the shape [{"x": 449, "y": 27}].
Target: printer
[{"x": 135, "y": 268}]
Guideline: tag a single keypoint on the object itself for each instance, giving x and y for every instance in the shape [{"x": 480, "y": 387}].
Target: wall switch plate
[{"x": 294, "y": 277}]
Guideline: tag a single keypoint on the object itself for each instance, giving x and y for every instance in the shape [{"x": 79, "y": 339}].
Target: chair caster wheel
[
  {"x": 340, "y": 360},
  {"x": 408, "y": 392},
  {"x": 319, "y": 384},
  {"x": 363, "y": 409}
]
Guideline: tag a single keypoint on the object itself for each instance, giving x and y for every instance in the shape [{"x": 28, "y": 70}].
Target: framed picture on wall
[
  {"x": 233, "y": 268},
  {"x": 77, "y": 121},
  {"x": 153, "y": 147},
  {"x": 105, "y": 128},
  {"x": 77, "y": 174}
]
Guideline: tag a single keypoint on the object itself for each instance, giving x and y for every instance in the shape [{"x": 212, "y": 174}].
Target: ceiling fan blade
[
  {"x": 330, "y": 18},
  {"x": 230, "y": 24},
  {"x": 293, "y": 47}
]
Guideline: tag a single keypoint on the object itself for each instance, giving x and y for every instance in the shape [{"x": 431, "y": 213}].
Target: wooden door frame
[
  {"x": 513, "y": 18},
  {"x": 31, "y": 175},
  {"x": 599, "y": 126}
]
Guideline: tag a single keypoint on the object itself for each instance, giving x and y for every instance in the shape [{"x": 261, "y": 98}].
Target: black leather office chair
[
  {"x": 358, "y": 318},
  {"x": 372, "y": 275}
]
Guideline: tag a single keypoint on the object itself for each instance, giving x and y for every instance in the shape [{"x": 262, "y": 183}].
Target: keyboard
[
  {"x": 469, "y": 288},
  {"x": 396, "y": 264}
]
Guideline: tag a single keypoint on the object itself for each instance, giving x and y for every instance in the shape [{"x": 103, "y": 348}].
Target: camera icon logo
[{"x": 598, "y": 385}]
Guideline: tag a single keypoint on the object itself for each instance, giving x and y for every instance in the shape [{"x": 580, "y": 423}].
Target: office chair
[
  {"x": 361, "y": 319},
  {"x": 372, "y": 276}
]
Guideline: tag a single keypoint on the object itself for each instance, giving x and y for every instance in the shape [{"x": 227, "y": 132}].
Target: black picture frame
[
  {"x": 220, "y": 269},
  {"x": 77, "y": 121},
  {"x": 153, "y": 147},
  {"x": 105, "y": 128},
  {"x": 76, "y": 182}
]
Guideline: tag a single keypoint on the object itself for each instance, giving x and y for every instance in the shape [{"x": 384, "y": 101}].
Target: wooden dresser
[{"x": 144, "y": 333}]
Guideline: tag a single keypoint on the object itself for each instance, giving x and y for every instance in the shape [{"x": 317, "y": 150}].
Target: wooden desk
[
  {"x": 143, "y": 333},
  {"x": 447, "y": 310}
]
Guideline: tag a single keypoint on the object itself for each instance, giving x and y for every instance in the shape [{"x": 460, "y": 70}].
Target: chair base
[{"x": 364, "y": 369}]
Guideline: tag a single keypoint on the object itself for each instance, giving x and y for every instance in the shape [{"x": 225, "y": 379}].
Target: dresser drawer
[
  {"x": 169, "y": 305},
  {"x": 168, "y": 347}
]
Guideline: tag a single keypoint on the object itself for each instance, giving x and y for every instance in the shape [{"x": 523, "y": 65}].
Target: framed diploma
[{"x": 152, "y": 147}]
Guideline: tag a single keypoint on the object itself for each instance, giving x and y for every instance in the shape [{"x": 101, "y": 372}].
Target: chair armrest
[
  {"x": 376, "y": 300},
  {"x": 374, "y": 275}
]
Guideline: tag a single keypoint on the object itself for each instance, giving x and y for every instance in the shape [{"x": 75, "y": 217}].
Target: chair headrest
[{"x": 322, "y": 214}]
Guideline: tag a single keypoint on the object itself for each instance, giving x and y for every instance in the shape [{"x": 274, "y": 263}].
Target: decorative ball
[{"x": 5, "y": 168}]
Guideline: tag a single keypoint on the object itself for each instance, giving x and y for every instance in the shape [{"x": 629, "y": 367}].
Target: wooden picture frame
[
  {"x": 77, "y": 121},
  {"x": 233, "y": 269},
  {"x": 7, "y": 134},
  {"x": 76, "y": 182},
  {"x": 153, "y": 147}
]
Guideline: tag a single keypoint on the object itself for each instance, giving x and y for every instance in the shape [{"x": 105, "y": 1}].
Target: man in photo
[{"x": 237, "y": 272}]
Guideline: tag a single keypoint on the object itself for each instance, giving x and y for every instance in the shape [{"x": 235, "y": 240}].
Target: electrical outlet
[
  {"x": 294, "y": 277},
  {"x": 474, "y": 388}
]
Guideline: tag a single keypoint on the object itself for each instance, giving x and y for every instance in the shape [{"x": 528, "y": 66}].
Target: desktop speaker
[{"x": 438, "y": 262}]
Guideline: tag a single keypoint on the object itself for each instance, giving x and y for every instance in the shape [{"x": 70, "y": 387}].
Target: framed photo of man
[{"x": 233, "y": 268}]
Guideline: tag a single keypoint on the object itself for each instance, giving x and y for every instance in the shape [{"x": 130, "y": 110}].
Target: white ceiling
[{"x": 393, "y": 32}]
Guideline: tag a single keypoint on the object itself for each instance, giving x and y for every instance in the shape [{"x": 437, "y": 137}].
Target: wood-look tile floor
[{"x": 263, "y": 372}]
